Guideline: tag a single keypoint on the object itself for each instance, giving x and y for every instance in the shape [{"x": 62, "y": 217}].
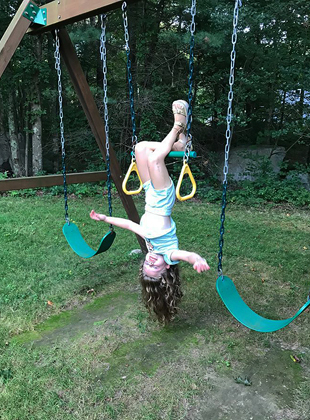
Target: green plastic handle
[{"x": 179, "y": 154}]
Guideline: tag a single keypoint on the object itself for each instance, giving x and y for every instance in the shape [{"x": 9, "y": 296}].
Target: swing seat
[
  {"x": 79, "y": 245},
  {"x": 234, "y": 303}
]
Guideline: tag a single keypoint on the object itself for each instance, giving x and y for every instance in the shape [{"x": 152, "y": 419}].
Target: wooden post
[
  {"x": 13, "y": 36},
  {"x": 87, "y": 101}
]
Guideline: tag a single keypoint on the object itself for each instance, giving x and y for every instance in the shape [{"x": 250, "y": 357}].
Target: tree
[{"x": 271, "y": 92}]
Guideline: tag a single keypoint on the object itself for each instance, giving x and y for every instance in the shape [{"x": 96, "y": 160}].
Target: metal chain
[
  {"x": 103, "y": 56},
  {"x": 134, "y": 139},
  {"x": 190, "y": 83},
  {"x": 228, "y": 133},
  {"x": 191, "y": 71},
  {"x": 61, "y": 115}
]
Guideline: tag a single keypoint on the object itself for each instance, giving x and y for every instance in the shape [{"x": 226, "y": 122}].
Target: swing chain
[
  {"x": 61, "y": 115},
  {"x": 228, "y": 133},
  {"x": 103, "y": 56},
  {"x": 134, "y": 138},
  {"x": 190, "y": 83},
  {"x": 188, "y": 148}
]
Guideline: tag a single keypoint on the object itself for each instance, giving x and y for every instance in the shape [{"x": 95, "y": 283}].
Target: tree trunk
[
  {"x": 36, "y": 112},
  {"x": 5, "y": 153},
  {"x": 37, "y": 164},
  {"x": 13, "y": 136},
  {"x": 56, "y": 153},
  {"x": 27, "y": 145},
  {"x": 301, "y": 103},
  {"x": 270, "y": 118},
  {"x": 282, "y": 110}
]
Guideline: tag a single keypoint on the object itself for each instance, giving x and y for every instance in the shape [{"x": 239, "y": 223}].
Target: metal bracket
[{"x": 35, "y": 14}]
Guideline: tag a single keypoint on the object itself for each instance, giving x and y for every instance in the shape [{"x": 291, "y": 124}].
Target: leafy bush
[
  {"x": 80, "y": 190},
  {"x": 268, "y": 186},
  {"x": 29, "y": 192},
  {"x": 3, "y": 175}
]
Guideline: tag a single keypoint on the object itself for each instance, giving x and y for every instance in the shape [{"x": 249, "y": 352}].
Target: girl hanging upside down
[{"x": 159, "y": 273}]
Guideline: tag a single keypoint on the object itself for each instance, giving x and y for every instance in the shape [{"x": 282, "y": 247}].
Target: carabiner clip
[
  {"x": 132, "y": 168},
  {"x": 186, "y": 170}
]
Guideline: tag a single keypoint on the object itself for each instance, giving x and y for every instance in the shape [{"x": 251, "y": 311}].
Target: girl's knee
[
  {"x": 154, "y": 159},
  {"x": 141, "y": 147}
]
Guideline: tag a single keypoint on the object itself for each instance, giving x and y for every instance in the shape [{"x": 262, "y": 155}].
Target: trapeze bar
[{"x": 179, "y": 154}]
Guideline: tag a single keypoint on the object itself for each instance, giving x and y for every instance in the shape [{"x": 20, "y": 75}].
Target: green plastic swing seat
[
  {"x": 79, "y": 245},
  {"x": 234, "y": 303}
]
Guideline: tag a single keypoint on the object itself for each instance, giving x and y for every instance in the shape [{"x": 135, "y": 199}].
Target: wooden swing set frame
[{"x": 57, "y": 14}]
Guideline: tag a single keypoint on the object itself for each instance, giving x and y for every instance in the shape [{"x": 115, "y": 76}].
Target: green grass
[{"x": 97, "y": 355}]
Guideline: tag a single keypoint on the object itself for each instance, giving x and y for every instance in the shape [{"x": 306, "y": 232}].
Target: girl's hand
[
  {"x": 201, "y": 265},
  {"x": 97, "y": 216}
]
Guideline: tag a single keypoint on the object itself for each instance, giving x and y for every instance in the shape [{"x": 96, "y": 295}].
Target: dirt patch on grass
[
  {"x": 267, "y": 391},
  {"x": 192, "y": 369}
]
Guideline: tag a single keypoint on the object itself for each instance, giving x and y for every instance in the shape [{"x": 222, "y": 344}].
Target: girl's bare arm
[
  {"x": 118, "y": 221},
  {"x": 199, "y": 264}
]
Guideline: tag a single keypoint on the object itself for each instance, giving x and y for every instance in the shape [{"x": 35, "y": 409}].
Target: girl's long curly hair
[{"x": 162, "y": 295}]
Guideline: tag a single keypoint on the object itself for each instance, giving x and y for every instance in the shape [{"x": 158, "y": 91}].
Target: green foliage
[
  {"x": 29, "y": 192},
  {"x": 77, "y": 190},
  {"x": 86, "y": 190},
  {"x": 3, "y": 175},
  {"x": 273, "y": 191},
  {"x": 260, "y": 191},
  {"x": 271, "y": 104},
  {"x": 263, "y": 184}
]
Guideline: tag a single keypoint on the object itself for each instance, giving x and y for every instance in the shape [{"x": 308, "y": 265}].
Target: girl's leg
[
  {"x": 150, "y": 156},
  {"x": 156, "y": 160},
  {"x": 142, "y": 152}
]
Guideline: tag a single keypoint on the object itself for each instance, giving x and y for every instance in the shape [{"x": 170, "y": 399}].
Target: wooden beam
[
  {"x": 62, "y": 12},
  {"x": 50, "y": 180},
  {"x": 13, "y": 36},
  {"x": 95, "y": 121}
]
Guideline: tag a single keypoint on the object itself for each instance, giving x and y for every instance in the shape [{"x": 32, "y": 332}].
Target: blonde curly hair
[{"x": 162, "y": 295}]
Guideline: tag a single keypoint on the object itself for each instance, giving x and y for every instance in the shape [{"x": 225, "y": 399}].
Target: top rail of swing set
[
  {"x": 63, "y": 12},
  {"x": 57, "y": 13}
]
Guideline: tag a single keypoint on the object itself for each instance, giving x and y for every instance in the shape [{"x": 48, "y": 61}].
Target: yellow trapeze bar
[
  {"x": 185, "y": 170},
  {"x": 132, "y": 168}
]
